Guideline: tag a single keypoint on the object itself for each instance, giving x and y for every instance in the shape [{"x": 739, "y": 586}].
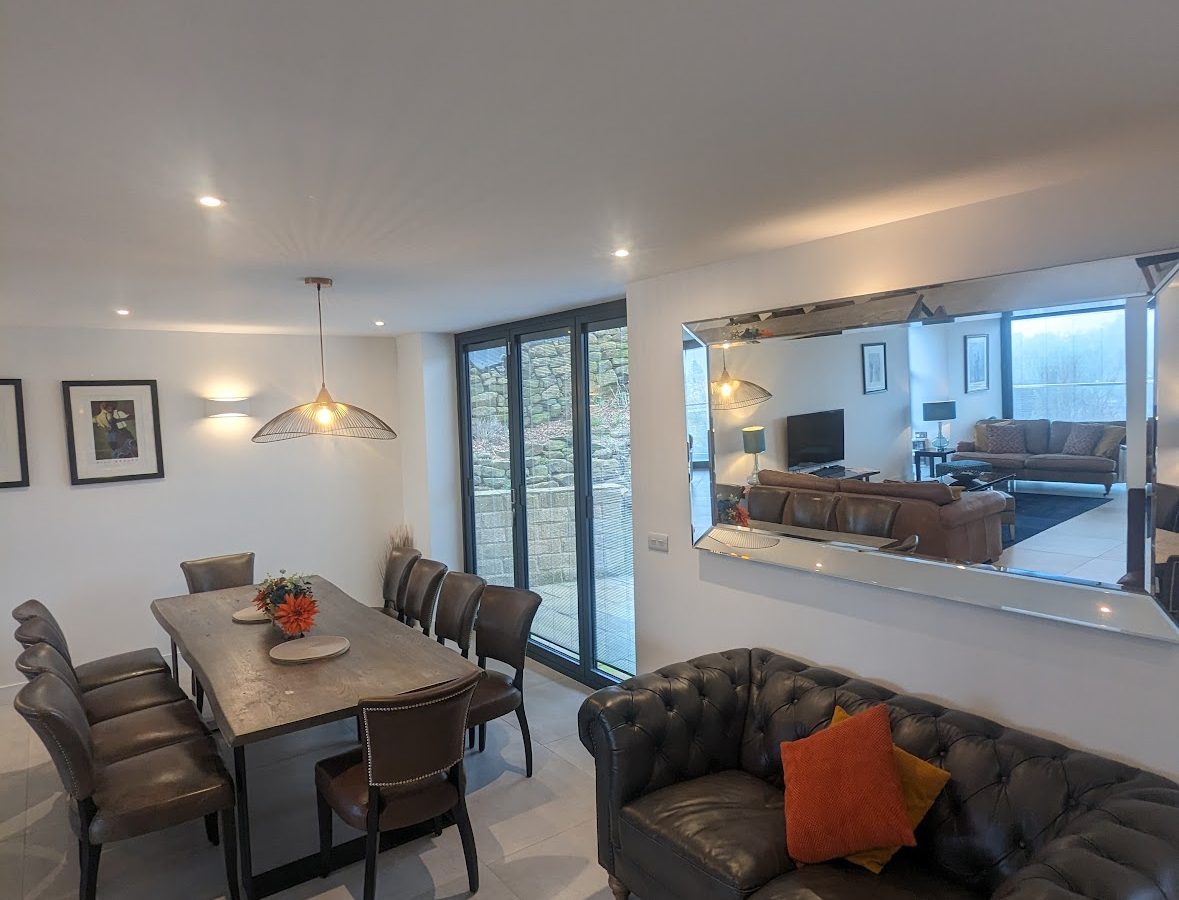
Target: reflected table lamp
[
  {"x": 942, "y": 411},
  {"x": 754, "y": 440}
]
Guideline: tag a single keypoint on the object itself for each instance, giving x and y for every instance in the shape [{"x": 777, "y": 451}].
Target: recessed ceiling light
[
  {"x": 622, "y": 253},
  {"x": 123, "y": 312},
  {"x": 379, "y": 323},
  {"x": 210, "y": 201}
]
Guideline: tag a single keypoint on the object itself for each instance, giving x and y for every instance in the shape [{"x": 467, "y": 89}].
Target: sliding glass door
[{"x": 545, "y": 418}]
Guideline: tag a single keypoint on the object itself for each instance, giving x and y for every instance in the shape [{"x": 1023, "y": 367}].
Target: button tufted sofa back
[{"x": 1009, "y": 794}]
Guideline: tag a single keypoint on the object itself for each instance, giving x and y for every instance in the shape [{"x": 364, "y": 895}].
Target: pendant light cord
[{"x": 319, "y": 304}]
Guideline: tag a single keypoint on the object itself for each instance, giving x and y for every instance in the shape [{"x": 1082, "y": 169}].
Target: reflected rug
[{"x": 1039, "y": 512}]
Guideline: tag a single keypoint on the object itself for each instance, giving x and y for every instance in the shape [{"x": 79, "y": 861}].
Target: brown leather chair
[
  {"x": 397, "y": 568},
  {"x": 407, "y": 770},
  {"x": 458, "y": 603},
  {"x": 869, "y": 516},
  {"x": 124, "y": 786},
  {"x": 213, "y": 573},
  {"x": 90, "y": 675},
  {"x": 501, "y": 633},
  {"x": 106, "y": 701},
  {"x": 421, "y": 593}
]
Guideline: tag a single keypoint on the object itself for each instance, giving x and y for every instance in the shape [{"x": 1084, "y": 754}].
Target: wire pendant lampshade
[
  {"x": 323, "y": 415},
  {"x": 728, "y": 392}
]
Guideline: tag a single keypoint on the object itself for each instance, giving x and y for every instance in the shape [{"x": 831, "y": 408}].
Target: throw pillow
[
  {"x": 1083, "y": 438},
  {"x": 1006, "y": 439},
  {"x": 843, "y": 792},
  {"x": 921, "y": 782},
  {"x": 1111, "y": 441}
]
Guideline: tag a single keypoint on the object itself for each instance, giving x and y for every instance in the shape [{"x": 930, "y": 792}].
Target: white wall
[
  {"x": 97, "y": 554},
  {"x": 937, "y": 372},
  {"x": 1103, "y": 691},
  {"x": 809, "y": 376}
]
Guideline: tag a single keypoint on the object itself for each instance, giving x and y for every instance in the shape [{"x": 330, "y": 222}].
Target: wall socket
[{"x": 656, "y": 541}]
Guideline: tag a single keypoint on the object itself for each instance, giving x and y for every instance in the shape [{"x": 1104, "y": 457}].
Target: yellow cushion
[
  {"x": 1111, "y": 442},
  {"x": 921, "y": 782}
]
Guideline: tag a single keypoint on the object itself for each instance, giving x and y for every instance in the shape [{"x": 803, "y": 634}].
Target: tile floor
[{"x": 535, "y": 837}]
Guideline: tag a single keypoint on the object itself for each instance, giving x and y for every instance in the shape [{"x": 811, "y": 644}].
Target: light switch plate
[{"x": 656, "y": 541}]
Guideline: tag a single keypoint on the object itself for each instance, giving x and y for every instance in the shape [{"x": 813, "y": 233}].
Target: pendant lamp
[
  {"x": 728, "y": 392},
  {"x": 323, "y": 415}
]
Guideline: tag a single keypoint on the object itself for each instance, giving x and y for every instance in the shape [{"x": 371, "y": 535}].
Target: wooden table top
[{"x": 254, "y": 698}]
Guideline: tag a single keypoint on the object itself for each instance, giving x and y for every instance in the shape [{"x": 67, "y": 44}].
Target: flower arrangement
[
  {"x": 289, "y": 601},
  {"x": 730, "y": 511}
]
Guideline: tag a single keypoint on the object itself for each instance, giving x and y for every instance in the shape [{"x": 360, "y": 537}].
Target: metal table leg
[{"x": 243, "y": 823}]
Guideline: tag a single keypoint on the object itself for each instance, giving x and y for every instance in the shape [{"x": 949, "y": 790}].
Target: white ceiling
[{"x": 453, "y": 164}]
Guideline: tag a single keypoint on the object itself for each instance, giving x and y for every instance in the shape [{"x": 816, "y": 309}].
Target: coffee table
[{"x": 982, "y": 481}]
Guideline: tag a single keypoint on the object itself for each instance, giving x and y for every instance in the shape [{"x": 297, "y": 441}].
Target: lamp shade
[
  {"x": 940, "y": 411},
  {"x": 754, "y": 439}
]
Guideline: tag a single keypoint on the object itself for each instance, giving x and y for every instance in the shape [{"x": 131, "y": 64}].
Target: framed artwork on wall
[
  {"x": 14, "y": 451},
  {"x": 874, "y": 360},
  {"x": 978, "y": 362},
  {"x": 112, "y": 431}
]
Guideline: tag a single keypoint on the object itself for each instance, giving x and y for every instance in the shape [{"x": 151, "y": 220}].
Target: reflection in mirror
[{"x": 1003, "y": 425}]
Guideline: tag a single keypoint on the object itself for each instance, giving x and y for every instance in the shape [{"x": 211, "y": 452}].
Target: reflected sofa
[
  {"x": 690, "y": 795},
  {"x": 949, "y": 524}
]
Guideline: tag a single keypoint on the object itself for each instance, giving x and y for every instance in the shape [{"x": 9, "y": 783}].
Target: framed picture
[
  {"x": 14, "y": 451},
  {"x": 978, "y": 362},
  {"x": 875, "y": 366},
  {"x": 113, "y": 431}
]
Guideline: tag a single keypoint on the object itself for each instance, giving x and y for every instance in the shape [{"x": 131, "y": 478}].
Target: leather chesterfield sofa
[{"x": 690, "y": 795}]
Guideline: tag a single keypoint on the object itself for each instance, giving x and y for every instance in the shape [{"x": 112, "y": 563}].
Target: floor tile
[
  {"x": 1021, "y": 557},
  {"x": 564, "y": 867},
  {"x": 1104, "y": 570},
  {"x": 1089, "y": 547},
  {"x": 571, "y": 750}
]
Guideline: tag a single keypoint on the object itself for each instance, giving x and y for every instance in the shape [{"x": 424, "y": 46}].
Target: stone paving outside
[{"x": 615, "y": 623}]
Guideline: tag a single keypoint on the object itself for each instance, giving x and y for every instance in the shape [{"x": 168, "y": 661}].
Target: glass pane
[
  {"x": 487, "y": 376},
  {"x": 546, "y": 393},
  {"x": 613, "y": 534}
]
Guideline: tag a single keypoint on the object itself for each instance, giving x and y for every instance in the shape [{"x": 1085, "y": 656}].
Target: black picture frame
[
  {"x": 878, "y": 385},
  {"x": 76, "y": 478},
  {"x": 22, "y": 443},
  {"x": 982, "y": 380}
]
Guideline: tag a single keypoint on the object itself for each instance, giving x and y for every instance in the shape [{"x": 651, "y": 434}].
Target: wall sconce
[{"x": 226, "y": 407}]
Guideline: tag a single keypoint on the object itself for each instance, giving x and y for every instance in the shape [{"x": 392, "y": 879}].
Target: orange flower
[
  {"x": 295, "y": 615},
  {"x": 261, "y": 602}
]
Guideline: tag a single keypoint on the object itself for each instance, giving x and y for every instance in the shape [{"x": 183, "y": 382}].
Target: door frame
[{"x": 579, "y": 323}]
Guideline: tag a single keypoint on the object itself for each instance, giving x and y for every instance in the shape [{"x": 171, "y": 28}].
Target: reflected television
[{"x": 814, "y": 439}]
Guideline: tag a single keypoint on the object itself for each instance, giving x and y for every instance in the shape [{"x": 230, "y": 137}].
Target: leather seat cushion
[
  {"x": 157, "y": 789},
  {"x": 717, "y": 836},
  {"x": 1064, "y": 462},
  {"x": 343, "y": 781},
  {"x": 145, "y": 729},
  {"x": 130, "y": 695},
  {"x": 120, "y": 667},
  {"x": 495, "y": 696},
  {"x": 905, "y": 878}
]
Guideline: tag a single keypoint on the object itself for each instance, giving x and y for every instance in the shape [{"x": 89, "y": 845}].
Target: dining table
[{"x": 253, "y": 698}]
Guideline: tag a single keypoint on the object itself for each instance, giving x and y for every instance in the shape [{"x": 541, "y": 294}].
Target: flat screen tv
[{"x": 814, "y": 439}]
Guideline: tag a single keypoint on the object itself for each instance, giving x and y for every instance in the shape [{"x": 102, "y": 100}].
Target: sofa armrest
[
  {"x": 965, "y": 447},
  {"x": 971, "y": 506},
  {"x": 1126, "y": 848},
  {"x": 648, "y": 732}
]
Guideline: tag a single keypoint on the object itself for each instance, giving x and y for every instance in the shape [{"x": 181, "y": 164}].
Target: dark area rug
[{"x": 1039, "y": 512}]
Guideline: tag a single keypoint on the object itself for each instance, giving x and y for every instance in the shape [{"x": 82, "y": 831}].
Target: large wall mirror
[{"x": 1010, "y": 441}]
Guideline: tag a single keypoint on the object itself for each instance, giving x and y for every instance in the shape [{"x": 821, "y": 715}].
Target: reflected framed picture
[
  {"x": 875, "y": 367},
  {"x": 14, "y": 451},
  {"x": 978, "y": 362},
  {"x": 112, "y": 431}
]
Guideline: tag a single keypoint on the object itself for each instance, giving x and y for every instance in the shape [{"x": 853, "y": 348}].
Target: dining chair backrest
[
  {"x": 43, "y": 631},
  {"x": 504, "y": 625},
  {"x": 458, "y": 602},
  {"x": 34, "y": 609},
  {"x": 425, "y": 579},
  {"x": 436, "y": 717},
  {"x": 41, "y": 658},
  {"x": 57, "y": 718},
  {"x": 216, "y": 573},
  {"x": 397, "y": 568}
]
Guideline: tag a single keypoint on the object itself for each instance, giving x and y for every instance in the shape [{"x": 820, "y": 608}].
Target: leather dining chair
[
  {"x": 397, "y": 568},
  {"x": 458, "y": 603},
  {"x": 870, "y": 516},
  {"x": 213, "y": 573},
  {"x": 128, "y": 781},
  {"x": 501, "y": 633},
  {"x": 421, "y": 593},
  {"x": 390, "y": 782}
]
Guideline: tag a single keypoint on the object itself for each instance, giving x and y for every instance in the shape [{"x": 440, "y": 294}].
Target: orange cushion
[
  {"x": 921, "y": 782},
  {"x": 843, "y": 793}
]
